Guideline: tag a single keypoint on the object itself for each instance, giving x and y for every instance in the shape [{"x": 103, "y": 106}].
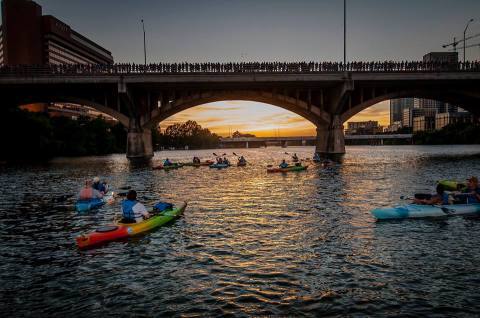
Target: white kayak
[{"x": 424, "y": 211}]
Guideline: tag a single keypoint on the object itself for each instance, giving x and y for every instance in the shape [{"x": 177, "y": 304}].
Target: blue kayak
[
  {"x": 424, "y": 211},
  {"x": 86, "y": 205},
  {"x": 219, "y": 165}
]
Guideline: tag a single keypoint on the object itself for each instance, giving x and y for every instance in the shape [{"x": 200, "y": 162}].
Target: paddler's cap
[
  {"x": 473, "y": 179},
  {"x": 96, "y": 179}
]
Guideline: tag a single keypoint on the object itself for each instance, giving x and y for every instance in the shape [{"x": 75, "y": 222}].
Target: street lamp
[
  {"x": 144, "y": 45},
  {"x": 464, "y": 40},
  {"x": 344, "y": 32}
]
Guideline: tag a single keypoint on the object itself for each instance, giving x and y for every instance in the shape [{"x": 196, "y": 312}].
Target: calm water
[{"x": 299, "y": 244}]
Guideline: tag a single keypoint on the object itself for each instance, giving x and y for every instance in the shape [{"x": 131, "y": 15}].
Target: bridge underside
[{"x": 141, "y": 102}]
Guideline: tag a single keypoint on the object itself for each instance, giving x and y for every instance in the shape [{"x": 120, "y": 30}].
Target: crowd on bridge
[{"x": 242, "y": 67}]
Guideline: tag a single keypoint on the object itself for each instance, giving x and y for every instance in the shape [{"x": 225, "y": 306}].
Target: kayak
[
  {"x": 173, "y": 166},
  {"x": 193, "y": 164},
  {"x": 422, "y": 211},
  {"x": 87, "y": 205},
  {"x": 120, "y": 230},
  {"x": 219, "y": 165},
  {"x": 241, "y": 164},
  {"x": 451, "y": 185},
  {"x": 290, "y": 168}
]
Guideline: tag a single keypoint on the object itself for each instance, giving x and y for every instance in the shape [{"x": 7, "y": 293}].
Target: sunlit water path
[{"x": 249, "y": 243}]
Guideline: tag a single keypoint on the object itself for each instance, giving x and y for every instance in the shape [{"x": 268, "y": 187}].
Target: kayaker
[
  {"x": 88, "y": 192},
  {"x": 196, "y": 160},
  {"x": 225, "y": 161},
  {"x": 100, "y": 186},
  {"x": 471, "y": 194},
  {"x": 294, "y": 157},
  {"x": 316, "y": 157},
  {"x": 167, "y": 162},
  {"x": 242, "y": 160},
  {"x": 132, "y": 210},
  {"x": 441, "y": 197},
  {"x": 284, "y": 164},
  {"x": 219, "y": 160}
]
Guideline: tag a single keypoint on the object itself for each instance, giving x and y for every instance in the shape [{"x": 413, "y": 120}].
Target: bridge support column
[
  {"x": 246, "y": 144},
  {"x": 139, "y": 142},
  {"x": 322, "y": 140},
  {"x": 336, "y": 140},
  {"x": 330, "y": 139}
]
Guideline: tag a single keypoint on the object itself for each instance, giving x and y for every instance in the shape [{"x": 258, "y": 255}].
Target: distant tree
[
  {"x": 189, "y": 134},
  {"x": 238, "y": 134}
]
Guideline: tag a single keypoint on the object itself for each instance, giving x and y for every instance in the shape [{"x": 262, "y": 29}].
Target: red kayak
[{"x": 103, "y": 234}]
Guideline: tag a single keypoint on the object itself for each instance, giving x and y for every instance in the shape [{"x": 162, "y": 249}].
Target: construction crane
[{"x": 455, "y": 42}]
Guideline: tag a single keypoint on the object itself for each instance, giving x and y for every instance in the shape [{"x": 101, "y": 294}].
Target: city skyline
[{"x": 276, "y": 30}]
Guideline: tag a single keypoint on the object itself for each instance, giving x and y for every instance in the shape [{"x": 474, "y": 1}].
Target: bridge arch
[
  {"x": 313, "y": 113},
  {"x": 124, "y": 120},
  {"x": 465, "y": 100}
]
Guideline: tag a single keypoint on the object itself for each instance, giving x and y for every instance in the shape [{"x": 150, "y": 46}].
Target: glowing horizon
[{"x": 262, "y": 120}]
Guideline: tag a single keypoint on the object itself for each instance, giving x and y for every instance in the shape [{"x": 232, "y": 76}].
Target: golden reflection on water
[{"x": 248, "y": 241}]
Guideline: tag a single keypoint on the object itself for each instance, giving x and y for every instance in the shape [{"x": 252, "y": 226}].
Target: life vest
[
  {"x": 100, "y": 187},
  {"x": 86, "y": 194},
  {"x": 127, "y": 209}
]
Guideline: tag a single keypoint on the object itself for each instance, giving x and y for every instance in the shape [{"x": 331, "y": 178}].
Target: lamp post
[
  {"x": 344, "y": 32},
  {"x": 464, "y": 39},
  {"x": 144, "y": 45}
]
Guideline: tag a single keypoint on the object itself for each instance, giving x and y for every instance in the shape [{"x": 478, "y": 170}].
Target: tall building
[
  {"x": 444, "y": 119},
  {"x": 363, "y": 128},
  {"x": 28, "y": 37},
  {"x": 397, "y": 106},
  {"x": 441, "y": 57}
]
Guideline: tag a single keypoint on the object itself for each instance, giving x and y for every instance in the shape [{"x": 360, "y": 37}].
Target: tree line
[
  {"x": 459, "y": 133},
  {"x": 189, "y": 134},
  {"x": 35, "y": 137}
]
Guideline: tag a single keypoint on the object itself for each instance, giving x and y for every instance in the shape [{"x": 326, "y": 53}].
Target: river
[{"x": 249, "y": 243}]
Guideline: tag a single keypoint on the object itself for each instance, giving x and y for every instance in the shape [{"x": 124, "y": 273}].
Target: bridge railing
[{"x": 242, "y": 67}]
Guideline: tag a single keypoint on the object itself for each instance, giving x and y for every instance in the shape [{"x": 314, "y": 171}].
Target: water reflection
[{"x": 249, "y": 243}]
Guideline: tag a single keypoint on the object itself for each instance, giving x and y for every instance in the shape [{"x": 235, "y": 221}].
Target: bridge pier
[
  {"x": 139, "y": 142},
  {"x": 330, "y": 139}
]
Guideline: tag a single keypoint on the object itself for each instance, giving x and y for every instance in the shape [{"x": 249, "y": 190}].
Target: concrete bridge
[
  {"x": 246, "y": 142},
  {"x": 141, "y": 97}
]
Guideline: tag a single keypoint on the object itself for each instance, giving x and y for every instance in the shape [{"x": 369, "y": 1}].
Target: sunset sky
[
  {"x": 269, "y": 30},
  {"x": 226, "y": 117}
]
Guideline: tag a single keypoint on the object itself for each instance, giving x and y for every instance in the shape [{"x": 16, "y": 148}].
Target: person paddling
[
  {"x": 471, "y": 194},
  {"x": 196, "y": 160},
  {"x": 441, "y": 197},
  {"x": 242, "y": 160},
  {"x": 100, "y": 186},
  {"x": 284, "y": 164},
  {"x": 316, "y": 157},
  {"x": 132, "y": 210},
  {"x": 88, "y": 192},
  {"x": 294, "y": 157},
  {"x": 167, "y": 163}
]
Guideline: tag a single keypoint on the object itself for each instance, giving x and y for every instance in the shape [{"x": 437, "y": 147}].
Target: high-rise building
[
  {"x": 28, "y": 37},
  {"x": 444, "y": 119},
  {"x": 397, "y": 106}
]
